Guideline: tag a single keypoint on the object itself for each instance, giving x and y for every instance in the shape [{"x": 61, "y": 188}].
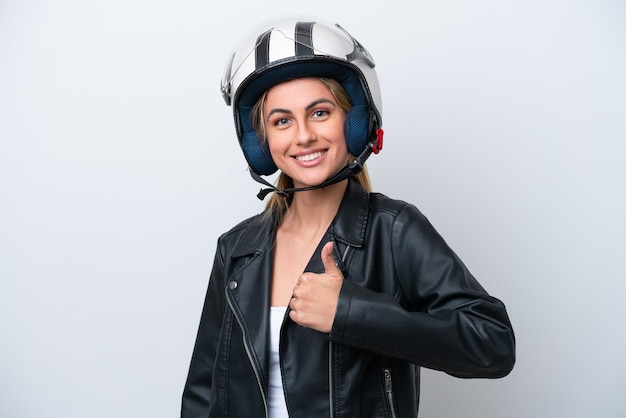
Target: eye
[
  {"x": 279, "y": 122},
  {"x": 320, "y": 113}
]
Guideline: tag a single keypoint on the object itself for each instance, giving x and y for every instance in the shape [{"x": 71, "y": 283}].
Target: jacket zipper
[
  {"x": 331, "y": 397},
  {"x": 256, "y": 371},
  {"x": 389, "y": 391},
  {"x": 330, "y": 379},
  {"x": 331, "y": 391}
]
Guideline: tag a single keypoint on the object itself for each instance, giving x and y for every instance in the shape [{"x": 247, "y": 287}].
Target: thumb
[{"x": 330, "y": 266}]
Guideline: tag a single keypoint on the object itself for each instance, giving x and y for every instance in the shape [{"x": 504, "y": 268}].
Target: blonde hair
[{"x": 278, "y": 204}]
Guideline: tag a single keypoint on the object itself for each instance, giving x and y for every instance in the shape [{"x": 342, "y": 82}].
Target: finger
[
  {"x": 330, "y": 266},
  {"x": 292, "y": 302}
]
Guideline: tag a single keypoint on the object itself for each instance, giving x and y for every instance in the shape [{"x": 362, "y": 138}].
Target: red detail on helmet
[{"x": 378, "y": 145}]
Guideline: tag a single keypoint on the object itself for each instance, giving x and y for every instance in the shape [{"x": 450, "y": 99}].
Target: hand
[{"x": 314, "y": 301}]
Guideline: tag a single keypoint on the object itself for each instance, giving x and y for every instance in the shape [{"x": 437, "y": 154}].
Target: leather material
[{"x": 407, "y": 301}]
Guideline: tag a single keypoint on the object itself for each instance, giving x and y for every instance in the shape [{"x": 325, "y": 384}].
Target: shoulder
[
  {"x": 401, "y": 219},
  {"x": 247, "y": 234},
  {"x": 383, "y": 205}
]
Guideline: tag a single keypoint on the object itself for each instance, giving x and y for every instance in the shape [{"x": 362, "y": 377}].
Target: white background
[{"x": 505, "y": 124}]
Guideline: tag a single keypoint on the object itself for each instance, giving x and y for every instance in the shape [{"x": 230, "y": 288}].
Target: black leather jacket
[{"x": 406, "y": 301}]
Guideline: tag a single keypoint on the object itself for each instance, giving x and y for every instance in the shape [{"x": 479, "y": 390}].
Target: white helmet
[{"x": 296, "y": 47}]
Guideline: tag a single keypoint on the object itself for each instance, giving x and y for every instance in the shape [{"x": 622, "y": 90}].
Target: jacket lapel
[
  {"x": 350, "y": 224},
  {"x": 249, "y": 298}
]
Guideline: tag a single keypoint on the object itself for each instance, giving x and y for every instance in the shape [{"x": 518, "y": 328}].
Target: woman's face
[{"x": 304, "y": 127}]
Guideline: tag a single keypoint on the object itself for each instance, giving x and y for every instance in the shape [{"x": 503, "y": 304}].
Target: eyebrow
[
  {"x": 308, "y": 107},
  {"x": 319, "y": 101}
]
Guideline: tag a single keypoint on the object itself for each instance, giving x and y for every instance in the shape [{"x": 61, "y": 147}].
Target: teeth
[{"x": 310, "y": 156}]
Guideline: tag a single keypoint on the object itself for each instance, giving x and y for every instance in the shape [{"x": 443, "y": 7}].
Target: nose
[{"x": 304, "y": 133}]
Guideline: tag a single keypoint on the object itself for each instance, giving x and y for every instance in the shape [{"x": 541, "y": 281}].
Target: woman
[{"x": 329, "y": 302}]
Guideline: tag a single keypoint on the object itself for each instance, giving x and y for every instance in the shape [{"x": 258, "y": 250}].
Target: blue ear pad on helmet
[
  {"x": 257, "y": 154},
  {"x": 356, "y": 129},
  {"x": 359, "y": 122},
  {"x": 255, "y": 150}
]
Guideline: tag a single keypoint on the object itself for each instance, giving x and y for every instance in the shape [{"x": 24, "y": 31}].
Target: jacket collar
[{"x": 349, "y": 225}]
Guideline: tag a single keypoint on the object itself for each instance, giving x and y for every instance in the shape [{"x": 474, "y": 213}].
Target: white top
[{"x": 277, "y": 406}]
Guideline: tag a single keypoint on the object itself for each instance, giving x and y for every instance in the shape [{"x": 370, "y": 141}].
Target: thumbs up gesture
[{"x": 314, "y": 301}]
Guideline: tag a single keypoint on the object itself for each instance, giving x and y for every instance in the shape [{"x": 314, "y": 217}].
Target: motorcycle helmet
[{"x": 294, "y": 47}]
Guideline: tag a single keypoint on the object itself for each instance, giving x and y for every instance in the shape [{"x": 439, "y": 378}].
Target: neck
[{"x": 314, "y": 210}]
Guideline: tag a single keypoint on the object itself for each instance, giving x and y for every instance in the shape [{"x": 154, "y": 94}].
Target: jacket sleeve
[
  {"x": 197, "y": 392},
  {"x": 446, "y": 322}
]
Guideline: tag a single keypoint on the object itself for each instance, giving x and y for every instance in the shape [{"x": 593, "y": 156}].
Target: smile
[{"x": 310, "y": 157}]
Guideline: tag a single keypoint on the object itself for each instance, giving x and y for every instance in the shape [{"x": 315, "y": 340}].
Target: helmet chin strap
[{"x": 346, "y": 172}]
